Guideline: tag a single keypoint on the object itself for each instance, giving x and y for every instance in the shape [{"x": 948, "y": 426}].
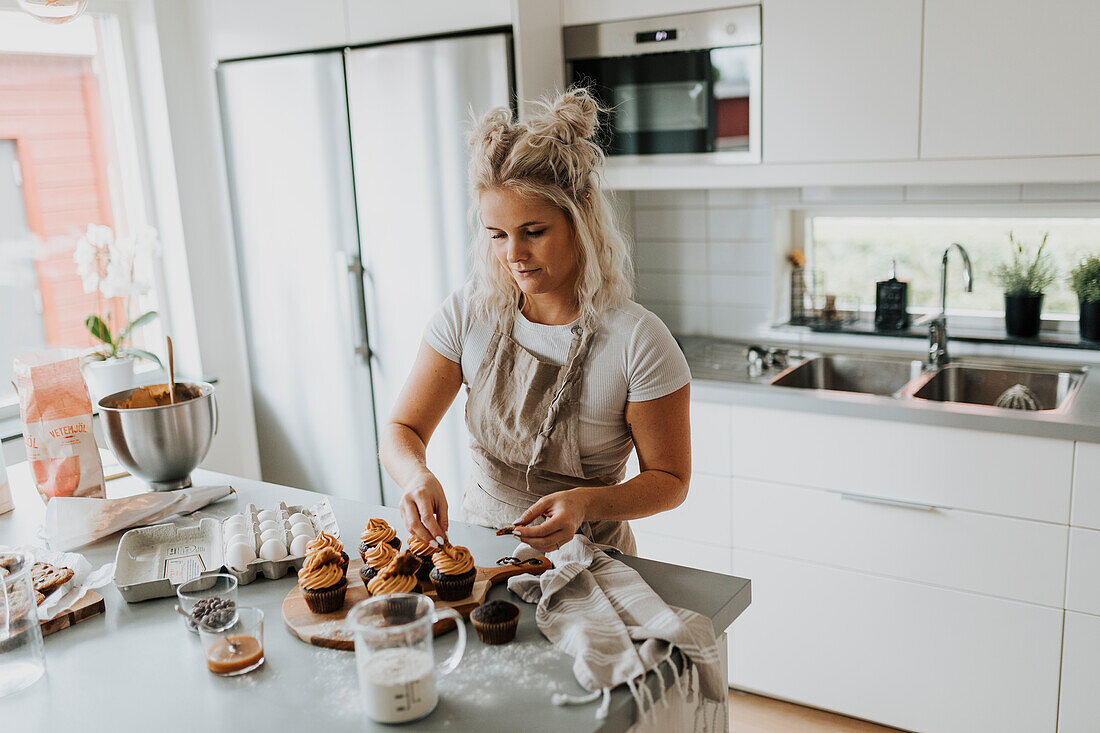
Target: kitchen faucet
[{"x": 937, "y": 327}]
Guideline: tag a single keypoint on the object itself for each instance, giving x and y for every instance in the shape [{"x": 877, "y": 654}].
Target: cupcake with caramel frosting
[
  {"x": 377, "y": 532},
  {"x": 323, "y": 540},
  {"x": 397, "y": 577},
  {"x": 375, "y": 559},
  {"x": 322, "y": 581},
  {"x": 454, "y": 573},
  {"x": 423, "y": 552}
]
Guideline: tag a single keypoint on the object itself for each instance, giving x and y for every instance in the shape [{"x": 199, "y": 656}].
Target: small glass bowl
[
  {"x": 233, "y": 640},
  {"x": 196, "y": 590}
]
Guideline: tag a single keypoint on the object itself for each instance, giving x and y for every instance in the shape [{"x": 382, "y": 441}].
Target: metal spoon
[{"x": 171, "y": 373}]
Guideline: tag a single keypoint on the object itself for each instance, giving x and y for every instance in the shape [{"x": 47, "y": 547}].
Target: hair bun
[{"x": 574, "y": 115}]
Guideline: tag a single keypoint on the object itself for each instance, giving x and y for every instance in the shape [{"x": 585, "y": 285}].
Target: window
[
  {"x": 853, "y": 252},
  {"x": 67, "y": 160}
]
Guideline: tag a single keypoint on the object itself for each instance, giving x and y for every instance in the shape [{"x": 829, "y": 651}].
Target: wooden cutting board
[
  {"x": 90, "y": 605},
  {"x": 326, "y": 629}
]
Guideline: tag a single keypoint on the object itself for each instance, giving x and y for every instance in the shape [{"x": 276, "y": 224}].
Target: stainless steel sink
[
  {"x": 1048, "y": 389},
  {"x": 839, "y": 372}
]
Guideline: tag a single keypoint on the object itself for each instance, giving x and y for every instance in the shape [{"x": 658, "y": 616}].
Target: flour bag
[{"x": 57, "y": 425}]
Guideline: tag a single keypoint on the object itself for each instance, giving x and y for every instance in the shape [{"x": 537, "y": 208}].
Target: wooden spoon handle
[{"x": 534, "y": 566}]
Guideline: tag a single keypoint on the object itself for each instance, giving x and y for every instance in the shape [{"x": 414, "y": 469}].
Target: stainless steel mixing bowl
[{"x": 161, "y": 445}]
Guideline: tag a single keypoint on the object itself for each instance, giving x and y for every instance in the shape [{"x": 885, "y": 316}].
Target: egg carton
[
  {"x": 152, "y": 561},
  {"x": 319, "y": 515}
]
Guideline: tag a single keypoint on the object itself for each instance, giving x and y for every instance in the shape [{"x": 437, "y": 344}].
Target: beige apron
[{"x": 523, "y": 415}]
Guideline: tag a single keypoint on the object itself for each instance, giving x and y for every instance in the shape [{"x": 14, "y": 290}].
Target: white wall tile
[
  {"x": 755, "y": 257},
  {"x": 670, "y": 199},
  {"x": 849, "y": 194},
  {"x": 751, "y": 196},
  {"x": 754, "y": 224},
  {"x": 656, "y": 225},
  {"x": 738, "y": 322},
  {"x": 682, "y": 318},
  {"x": 678, "y": 256},
  {"x": 1061, "y": 191},
  {"x": 963, "y": 193},
  {"x": 747, "y": 290},
  {"x": 664, "y": 287}
]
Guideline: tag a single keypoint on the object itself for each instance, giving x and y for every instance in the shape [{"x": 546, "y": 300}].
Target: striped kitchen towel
[{"x": 617, "y": 629}]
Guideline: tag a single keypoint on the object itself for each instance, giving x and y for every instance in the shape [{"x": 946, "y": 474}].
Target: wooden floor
[{"x": 756, "y": 714}]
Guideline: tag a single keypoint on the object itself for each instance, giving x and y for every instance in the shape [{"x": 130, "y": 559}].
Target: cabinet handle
[{"x": 887, "y": 502}]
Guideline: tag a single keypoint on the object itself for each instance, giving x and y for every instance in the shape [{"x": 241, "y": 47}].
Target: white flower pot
[{"x": 108, "y": 376}]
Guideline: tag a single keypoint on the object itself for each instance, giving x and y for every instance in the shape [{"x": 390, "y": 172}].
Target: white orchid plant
[{"x": 107, "y": 268}]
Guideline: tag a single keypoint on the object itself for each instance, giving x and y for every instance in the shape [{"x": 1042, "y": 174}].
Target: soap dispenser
[{"x": 892, "y": 302}]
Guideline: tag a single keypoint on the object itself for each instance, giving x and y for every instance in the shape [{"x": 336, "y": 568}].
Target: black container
[
  {"x": 1090, "y": 320},
  {"x": 1023, "y": 314}
]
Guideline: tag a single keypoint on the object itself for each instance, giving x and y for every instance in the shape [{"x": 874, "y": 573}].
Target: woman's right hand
[{"x": 424, "y": 509}]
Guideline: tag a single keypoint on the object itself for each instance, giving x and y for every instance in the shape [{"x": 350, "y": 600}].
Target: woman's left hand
[{"x": 564, "y": 512}]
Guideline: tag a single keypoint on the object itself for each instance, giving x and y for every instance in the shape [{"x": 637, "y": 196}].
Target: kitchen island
[{"x": 137, "y": 668}]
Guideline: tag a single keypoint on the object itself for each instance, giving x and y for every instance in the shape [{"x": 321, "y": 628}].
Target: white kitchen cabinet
[
  {"x": 841, "y": 80},
  {"x": 1083, "y": 573},
  {"x": 689, "y": 554},
  {"x": 259, "y": 27},
  {"x": 904, "y": 654},
  {"x": 1012, "y": 475},
  {"x": 1010, "y": 78},
  {"x": 1086, "y": 486},
  {"x": 370, "y": 21},
  {"x": 1000, "y": 556},
  {"x": 710, "y": 438},
  {"x": 704, "y": 515},
  {"x": 1079, "y": 708}
]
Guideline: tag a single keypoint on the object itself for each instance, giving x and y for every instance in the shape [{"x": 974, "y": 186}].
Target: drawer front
[
  {"x": 704, "y": 515},
  {"x": 1001, "y": 556},
  {"x": 1086, "y": 486},
  {"x": 1013, "y": 475},
  {"x": 1079, "y": 709},
  {"x": 683, "y": 552},
  {"x": 903, "y": 654},
  {"x": 710, "y": 438},
  {"x": 1083, "y": 584}
]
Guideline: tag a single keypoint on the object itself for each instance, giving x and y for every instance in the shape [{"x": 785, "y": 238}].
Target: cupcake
[
  {"x": 375, "y": 559},
  {"x": 423, "y": 552},
  {"x": 453, "y": 574},
  {"x": 397, "y": 577},
  {"x": 326, "y": 540},
  {"x": 495, "y": 622},
  {"x": 322, "y": 581},
  {"x": 377, "y": 532}
]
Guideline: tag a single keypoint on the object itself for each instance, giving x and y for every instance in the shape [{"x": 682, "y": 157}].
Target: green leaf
[
  {"x": 137, "y": 322},
  {"x": 143, "y": 354},
  {"x": 98, "y": 328}
]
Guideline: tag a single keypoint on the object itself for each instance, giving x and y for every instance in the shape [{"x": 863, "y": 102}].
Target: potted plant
[
  {"x": 107, "y": 268},
  {"x": 1085, "y": 282},
  {"x": 1024, "y": 280}
]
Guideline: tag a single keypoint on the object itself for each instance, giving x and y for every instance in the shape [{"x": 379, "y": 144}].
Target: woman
[{"x": 564, "y": 373}]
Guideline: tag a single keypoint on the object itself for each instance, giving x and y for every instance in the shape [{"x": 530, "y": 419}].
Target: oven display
[{"x": 654, "y": 36}]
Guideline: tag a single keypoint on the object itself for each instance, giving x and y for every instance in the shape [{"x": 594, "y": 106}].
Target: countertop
[
  {"x": 138, "y": 668},
  {"x": 720, "y": 374}
]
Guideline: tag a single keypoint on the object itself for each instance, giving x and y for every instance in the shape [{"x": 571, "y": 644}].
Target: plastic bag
[{"x": 57, "y": 425}]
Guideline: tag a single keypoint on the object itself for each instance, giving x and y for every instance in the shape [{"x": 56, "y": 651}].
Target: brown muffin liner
[
  {"x": 326, "y": 600},
  {"x": 398, "y": 610},
  {"x": 453, "y": 587},
  {"x": 498, "y": 633}
]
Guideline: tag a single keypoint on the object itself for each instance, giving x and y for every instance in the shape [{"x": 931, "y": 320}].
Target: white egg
[
  {"x": 298, "y": 546},
  {"x": 298, "y": 517},
  {"x": 267, "y": 514},
  {"x": 273, "y": 534},
  {"x": 236, "y": 521},
  {"x": 303, "y": 529},
  {"x": 239, "y": 555},
  {"x": 268, "y": 524},
  {"x": 273, "y": 550},
  {"x": 242, "y": 538}
]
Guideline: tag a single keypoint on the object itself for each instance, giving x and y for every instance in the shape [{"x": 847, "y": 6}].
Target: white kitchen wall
[{"x": 706, "y": 258}]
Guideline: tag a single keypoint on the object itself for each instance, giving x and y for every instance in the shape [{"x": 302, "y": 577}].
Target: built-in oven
[{"x": 687, "y": 83}]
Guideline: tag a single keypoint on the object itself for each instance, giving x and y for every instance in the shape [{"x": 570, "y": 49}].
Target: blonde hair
[{"x": 553, "y": 157}]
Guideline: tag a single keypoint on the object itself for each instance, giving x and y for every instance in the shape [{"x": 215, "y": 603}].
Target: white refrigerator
[{"x": 347, "y": 173}]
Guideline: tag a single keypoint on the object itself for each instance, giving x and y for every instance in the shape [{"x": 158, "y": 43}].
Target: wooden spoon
[{"x": 171, "y": 373}]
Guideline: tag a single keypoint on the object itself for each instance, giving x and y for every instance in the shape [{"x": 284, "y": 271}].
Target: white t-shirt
[{"x": 633, "y": 358}]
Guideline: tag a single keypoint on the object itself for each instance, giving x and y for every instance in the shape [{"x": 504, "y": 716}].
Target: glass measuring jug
[
  {"x": 395, "y": 657},
  {"x": 22, "y": 656}
]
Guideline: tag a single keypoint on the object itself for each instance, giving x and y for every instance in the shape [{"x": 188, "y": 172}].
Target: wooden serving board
[
  {"x": 326, "y": 629},
  {"x": 90, "y": 605}
]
